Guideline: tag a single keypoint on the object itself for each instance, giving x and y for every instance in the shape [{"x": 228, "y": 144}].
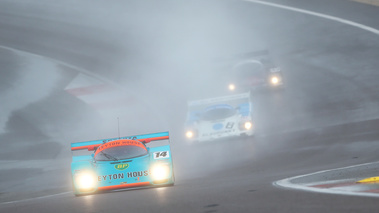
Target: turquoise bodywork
[{"x": 125, "y": 173}]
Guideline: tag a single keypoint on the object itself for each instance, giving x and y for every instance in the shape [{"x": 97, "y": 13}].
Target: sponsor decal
[
  {"x": 219, "y": 133},
  {"x": 119, "y": 143},
  {"x": 110, "y": 177},
  {"x": 137, "y": 174},
  {"x": 114, "y": 139},
  {"x": 229, "y": 125},
  {"x": 121, "y": 166},
  {"x": 160, "y": 155},
  {"x": 218, "y": 126}
]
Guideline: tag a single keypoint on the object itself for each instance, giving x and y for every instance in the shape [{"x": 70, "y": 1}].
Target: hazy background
[{"x": 156, "y": 55}]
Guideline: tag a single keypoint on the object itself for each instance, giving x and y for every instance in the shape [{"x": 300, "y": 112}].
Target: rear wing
[
  {"x": 146, "y": 138},
  {"x": 222, "y": 99}
]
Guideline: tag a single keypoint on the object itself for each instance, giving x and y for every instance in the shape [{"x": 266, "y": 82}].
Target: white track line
[
  {"x": 34, "y": 198},
  {"x": 287, "y": 183},
  {"x": 333, "y": 18}
]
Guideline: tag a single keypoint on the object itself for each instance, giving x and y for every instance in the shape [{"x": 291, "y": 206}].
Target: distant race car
[
  {"x": 120, "y": 163},
  {"x": 221, "y": 117},
  {"x": 258, "y": 72}
]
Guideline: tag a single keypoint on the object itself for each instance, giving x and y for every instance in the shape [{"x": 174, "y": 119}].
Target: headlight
[
  {"x": 160, "y": 172},
  {"x": 274, "y": 80},
  {"x": 248, "y": 125},
  {"x": 189, "y": 134},
  {"x": 85, "y": 180},
  {"x": 232, "y": 87}
]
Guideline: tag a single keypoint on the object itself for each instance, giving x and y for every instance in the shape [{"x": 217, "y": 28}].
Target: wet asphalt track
[{"x": 326, "y": 118}]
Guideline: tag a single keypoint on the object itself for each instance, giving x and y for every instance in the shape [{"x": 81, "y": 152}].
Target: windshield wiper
[{"x": 109, "y": 156}]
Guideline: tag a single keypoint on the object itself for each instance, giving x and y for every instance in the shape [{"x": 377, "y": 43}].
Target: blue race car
[{"x": 119, "y": 163}]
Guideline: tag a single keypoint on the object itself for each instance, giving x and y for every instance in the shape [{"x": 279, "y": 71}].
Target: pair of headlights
[
  {"x": 244, "y": 125},
  {"x": 87, "y": 180}
]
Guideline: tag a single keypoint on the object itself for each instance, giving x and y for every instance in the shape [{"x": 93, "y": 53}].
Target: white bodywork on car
[{"x": 215, "y": 118}]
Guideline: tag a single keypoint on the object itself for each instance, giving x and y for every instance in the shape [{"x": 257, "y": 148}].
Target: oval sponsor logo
[
  {"x": 218, "y": 126},
  {"x": 121, "y": 166}
]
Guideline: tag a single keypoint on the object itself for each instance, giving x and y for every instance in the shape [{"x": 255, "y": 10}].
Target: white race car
[{"x": 221, "y": 117}]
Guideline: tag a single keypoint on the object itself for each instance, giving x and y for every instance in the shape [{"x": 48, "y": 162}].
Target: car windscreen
[
  {"x": 217, "y": 113},
  {"x": 120, "y": 153},
  {"x": 250, "y": 70}
]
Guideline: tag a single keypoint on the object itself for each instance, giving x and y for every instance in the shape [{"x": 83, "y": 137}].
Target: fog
[{"x": 152, "y": 57}]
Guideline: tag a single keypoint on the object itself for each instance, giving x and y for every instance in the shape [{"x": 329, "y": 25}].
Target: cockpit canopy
[
  {"x": 120, "y": 150},
  {"x": 216, "y": 112}
]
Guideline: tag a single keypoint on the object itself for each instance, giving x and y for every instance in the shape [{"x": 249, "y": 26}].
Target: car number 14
[{"x": 159, "y": 155}]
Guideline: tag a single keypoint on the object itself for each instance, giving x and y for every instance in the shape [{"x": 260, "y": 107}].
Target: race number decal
[
  {"x": 229, "y": 125},
  {"x": 160, "y": 155}
]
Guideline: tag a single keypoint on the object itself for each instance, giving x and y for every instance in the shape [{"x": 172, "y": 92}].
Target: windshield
[
  {"x": 218, "y": 113},
  {"x": 250, "y": 70},
  {"x": 120, "y": 152}
]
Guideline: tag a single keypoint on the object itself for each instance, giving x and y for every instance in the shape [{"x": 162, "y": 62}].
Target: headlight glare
[
  {"x": 248, "y": 125},
  {"x": 189, "y": 134},
  {"x": 274, "y": 80},
  {"x": 85, "y": 180},
  {"x": 232, "y": 87},
  {"x": 160, "y": 172}
]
